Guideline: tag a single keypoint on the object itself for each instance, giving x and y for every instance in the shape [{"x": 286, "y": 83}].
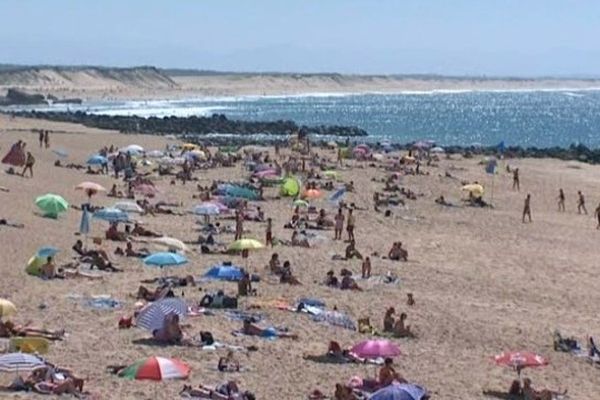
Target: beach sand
[{"x": 483, "y": 281}]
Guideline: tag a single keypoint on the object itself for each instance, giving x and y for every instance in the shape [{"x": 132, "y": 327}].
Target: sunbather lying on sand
[
  {"x": 4, "y": 222},
  {"x": 252, "y": 330},
  {"x": 144, "y": 293},
  {"x": 9, "y": 329},
  {"x": 227, "y": 391}
]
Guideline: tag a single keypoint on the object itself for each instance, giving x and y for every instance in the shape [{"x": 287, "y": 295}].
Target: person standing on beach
[
  {"x": 581, "y": 203},
  {"x": 339, "y": 225},
  {"x": 47, "y": 139},
  {"x": 597, "y": 215},
  {"x": 516, "y": 182},
  {"x": 269, "y": 233},
  {"x": 350, "y": 226},
  {"x": 41, "y": 138},
  {"x": 29, "y": 162},
  {"x": 561, "y": 200},
  {"x": 239, "y": 225},
  {"x": 527, "y": 208}
]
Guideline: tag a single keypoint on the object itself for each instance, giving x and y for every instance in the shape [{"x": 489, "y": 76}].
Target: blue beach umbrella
[
  {"x": 165, "y": 259},
  {"x": 224, "y": 273},
  {"x": 47, "y": 251},
  {"x": 337, "y": 196},
  {"x": 111, "y": 215},
  {"x": 400, "y": 391},
  {"x": 97, "y": 159}
]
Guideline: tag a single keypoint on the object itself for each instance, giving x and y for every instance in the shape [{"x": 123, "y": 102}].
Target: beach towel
[
  {"x": 335, "y": 318},
  {"x": 102, "y": 303}
]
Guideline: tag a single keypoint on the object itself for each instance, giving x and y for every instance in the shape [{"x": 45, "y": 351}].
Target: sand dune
[{"x": 483, "y": 281}]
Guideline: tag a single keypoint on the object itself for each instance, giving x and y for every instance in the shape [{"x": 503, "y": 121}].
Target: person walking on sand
[
  {"x": 339, "y": 225},
  {"x": 527, "y": 208},
  {"x": 269, "y": 233},
  {"x": 47, "y": 139},
  {"x": 350, "y": 226},
  {"x": 561, "y": 200},
  {"x": 581, "y": 203},
  {"x": 41, "y": 138},
  {"x": 29, "y": 162},
  {"x": 516, "y": 182}
]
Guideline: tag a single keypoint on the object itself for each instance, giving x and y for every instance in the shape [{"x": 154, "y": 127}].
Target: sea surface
[{"x": 540, "y": 118}]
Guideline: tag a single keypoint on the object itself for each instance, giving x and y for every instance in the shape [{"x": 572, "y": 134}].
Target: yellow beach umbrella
[
  {"x": 189, "y": 146},
  {"x": 7, "y": 308},
  {"x": 474, "y": 188},
  {"x": 246, "y": 244}
]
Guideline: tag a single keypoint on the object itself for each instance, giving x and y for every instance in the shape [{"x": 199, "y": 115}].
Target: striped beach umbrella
[
  {"x": 152, "y": 316},
  {"x": 17, "y": 362},
  {"x": 156, "y": 369},
  {"x": 111, "y": 215}
]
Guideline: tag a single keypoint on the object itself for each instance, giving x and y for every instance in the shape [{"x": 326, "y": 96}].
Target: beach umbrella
[
  {"x": 156, "y": 369},
  {"x": 145, "y": 189},
  {"x": 47, "y": 251},
  {"x": 300, "y": 203},
  {"x": 152, "y": 316},
  {"x": 400, "y": 391},
  {"x": 111, "y": 215},
  {"x": 246, "y": 244},
  {"x": 7, "y": 308},
  {"x": 51, "y": 204},
  {"x": 61, "y": 153},
  {"x": 375, "y": 349},
  {"x": 520, "y": 359},
  {"x": 207, "y": 208},
  {"x": 155, "y": 154},
  {"x": 19, "y": 362},
  {"x": 128, "y": 206},
  {"x": 97, "y": 159},
  {"x": 224, "y": 272},
  {"x": 337, "y": 196},
  {"x": 171, "y": 243},
  {"x": 132, "y": 149},
  {"x": 332, "y": 174},
  {"x": 378, "y": 157},
  {"x": 165, "y": 259},
  {"x": 266, "y": 173},
  {"x": 312, "y": 194},
  {"x": 438, "y": 150},
  {"x": 90, "y": 186},
  {"x": 475, "y": 189},
  {"x": 290, "y": 187},
  {"x": 238, "y": 191}
]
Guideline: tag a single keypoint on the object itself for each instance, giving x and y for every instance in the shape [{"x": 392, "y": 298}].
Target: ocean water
[{"x": 541, "y": 118}]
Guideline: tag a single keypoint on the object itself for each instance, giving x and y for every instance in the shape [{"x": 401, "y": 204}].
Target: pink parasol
[{"x": 375, "y": 349}]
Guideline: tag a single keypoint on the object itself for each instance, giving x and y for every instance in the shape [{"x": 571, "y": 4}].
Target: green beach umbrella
[{"x": 51, "y": 205}]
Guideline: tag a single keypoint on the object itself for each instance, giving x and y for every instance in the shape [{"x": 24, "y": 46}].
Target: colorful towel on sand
[{"x": 335, "y": 318}]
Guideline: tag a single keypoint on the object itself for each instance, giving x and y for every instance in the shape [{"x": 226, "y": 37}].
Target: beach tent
[
  {"x": 34, "y": 264},
  {"x": 290, "y": 187}
]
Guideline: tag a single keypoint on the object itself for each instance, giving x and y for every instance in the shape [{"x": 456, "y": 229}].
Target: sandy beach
[
  {"x": 137, "y": 83},
  {"x": 483, "y": 281}
]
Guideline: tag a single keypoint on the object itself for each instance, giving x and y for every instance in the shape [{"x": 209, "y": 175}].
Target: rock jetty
[{"x": 217, "y": 123}]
